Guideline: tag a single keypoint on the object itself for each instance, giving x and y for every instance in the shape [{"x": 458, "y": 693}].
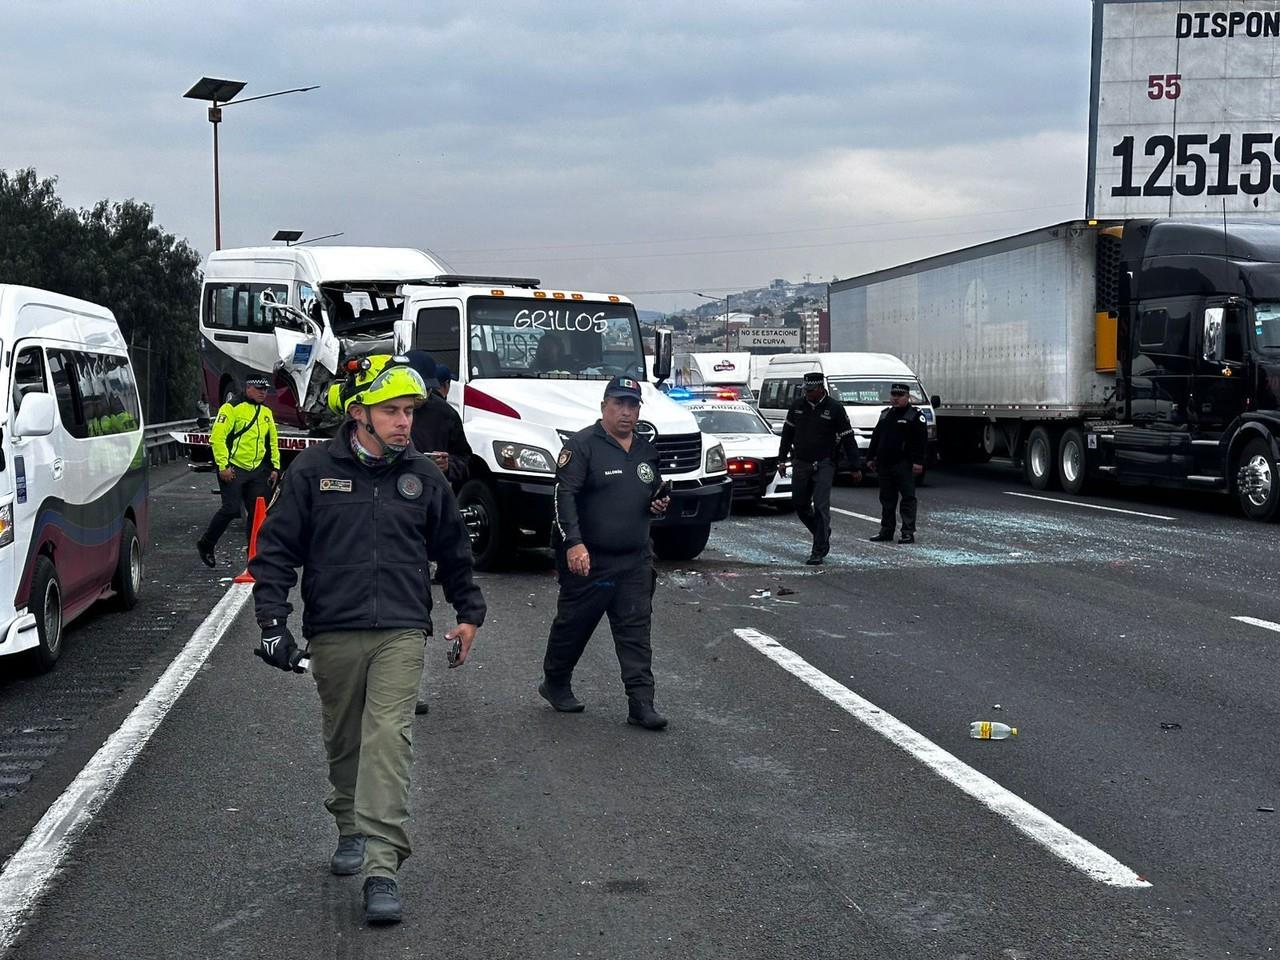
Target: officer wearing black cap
[
  {"x": 897, "y": 454},
  {"x": 816, "y": 425},
  {"x": 607, "y": 489},
  {"x": 246, "y": 450}
]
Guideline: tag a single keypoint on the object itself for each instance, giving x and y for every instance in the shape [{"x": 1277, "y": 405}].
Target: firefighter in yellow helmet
[{"x": 363, "y": 516}]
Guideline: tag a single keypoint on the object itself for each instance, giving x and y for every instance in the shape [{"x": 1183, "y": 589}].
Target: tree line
[{"x": 112, "y": 254}]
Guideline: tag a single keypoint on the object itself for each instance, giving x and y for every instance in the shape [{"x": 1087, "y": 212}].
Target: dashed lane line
[
  {"x": 28, "y": 873},
  {"x": 1255, "y": 622},
  {"x": 1090, "y": 506},
  {"x": 1037, "y": 825},
  {"x": 860, "y": 516}
]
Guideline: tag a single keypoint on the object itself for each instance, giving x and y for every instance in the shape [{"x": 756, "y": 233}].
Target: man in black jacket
[
  {"x": 607, "y": 489},
  {"x": 816, "y": 425},
  {"x": 437, "y": 428},
  {"x": 896, "y": 454},
  {"x": 364, "y": 515}
]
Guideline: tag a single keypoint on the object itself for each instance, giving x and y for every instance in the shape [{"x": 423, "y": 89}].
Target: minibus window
[{"x": 28, "y": 376}]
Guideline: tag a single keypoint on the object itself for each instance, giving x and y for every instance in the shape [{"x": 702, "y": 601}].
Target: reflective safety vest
[{"x": 243, "y": 435}]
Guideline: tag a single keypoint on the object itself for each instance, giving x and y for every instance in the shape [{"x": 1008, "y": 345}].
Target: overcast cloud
[{"x": 621, "y": 146}]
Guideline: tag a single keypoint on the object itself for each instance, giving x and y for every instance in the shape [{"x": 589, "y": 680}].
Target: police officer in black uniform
[
  {"x": 897, "y": 455},
  {"x": 607, "y": 489},
  {"x": 816, "y": 425}
]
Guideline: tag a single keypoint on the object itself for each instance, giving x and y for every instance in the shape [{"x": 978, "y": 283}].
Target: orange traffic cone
[{"x": 259, "y": 514}]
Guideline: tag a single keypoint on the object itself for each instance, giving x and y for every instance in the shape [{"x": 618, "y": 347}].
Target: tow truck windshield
[{"x": 513, "y": 337}]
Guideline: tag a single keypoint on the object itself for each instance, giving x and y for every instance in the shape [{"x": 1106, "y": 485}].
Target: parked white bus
[{"x": 73, "y": 469}]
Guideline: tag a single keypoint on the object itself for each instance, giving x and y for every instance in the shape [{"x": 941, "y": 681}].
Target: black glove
[{"x": 278, "y": 647}]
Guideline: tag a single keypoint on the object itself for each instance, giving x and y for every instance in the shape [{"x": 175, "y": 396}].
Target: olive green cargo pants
[{"x": 368, "y": 684}]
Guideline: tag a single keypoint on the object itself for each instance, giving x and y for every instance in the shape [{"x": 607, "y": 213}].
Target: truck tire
[
  {"x": 489, "y": 548},
  {"x": 45, "y": 601},
  {"x": 1257, "y": 482},
  {"x": 127, "y": 582},
  {"x": 1072, "y": 460},
  {"x": 681, "y": 543},
  {"x": 1040, "y": 460}
]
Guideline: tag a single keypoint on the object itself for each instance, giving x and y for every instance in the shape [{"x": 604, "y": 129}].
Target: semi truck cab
[{"x": 1198, "y": 360}]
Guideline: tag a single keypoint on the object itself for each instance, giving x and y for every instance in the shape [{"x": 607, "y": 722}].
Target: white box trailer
[{"x": 995, "y": 330}]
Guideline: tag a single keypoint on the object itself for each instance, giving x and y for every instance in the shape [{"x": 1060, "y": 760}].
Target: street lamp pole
[
  {"x": 726, "y": 315},
  {"x": 222, "y": 93}
]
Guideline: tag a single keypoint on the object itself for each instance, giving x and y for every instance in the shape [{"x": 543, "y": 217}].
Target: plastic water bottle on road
[{"x": 986, "y": 730}]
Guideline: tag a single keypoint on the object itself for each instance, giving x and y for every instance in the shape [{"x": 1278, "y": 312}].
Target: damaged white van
[{"x": 73, "y": 469}]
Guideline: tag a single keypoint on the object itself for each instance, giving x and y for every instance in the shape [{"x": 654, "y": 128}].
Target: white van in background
[
  {"x": 858, "y": 380},
  {"x": 73, "y": 469},
  {"x": 713, "y": 376}
]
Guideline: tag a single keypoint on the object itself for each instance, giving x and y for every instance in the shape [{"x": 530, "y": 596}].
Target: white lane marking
[
  {"x": 1060, "y": 841},
  {"x": 850, "y": 513},
  {"x": 1091, "y": 506},
  {"x": 1255, "y": 622},
  {"x": 29, "y": 871}
]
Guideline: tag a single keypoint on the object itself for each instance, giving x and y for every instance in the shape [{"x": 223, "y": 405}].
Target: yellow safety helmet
[{"x": 374, "y": 380}]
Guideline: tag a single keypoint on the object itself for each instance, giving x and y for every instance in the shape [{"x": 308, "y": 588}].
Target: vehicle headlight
[
  {"x": 517, "y": 456},
  {"x": 6, "y": 525},
  {"x": 715, "y": 459}
]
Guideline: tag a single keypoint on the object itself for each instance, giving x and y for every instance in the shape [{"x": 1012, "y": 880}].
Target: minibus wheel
[
  {"x": 127, "y": 582},
  {"x": 46, "y": 603}
]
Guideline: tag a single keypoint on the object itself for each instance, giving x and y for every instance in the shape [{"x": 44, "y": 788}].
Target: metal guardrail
[{"x": 161, "y": 447}]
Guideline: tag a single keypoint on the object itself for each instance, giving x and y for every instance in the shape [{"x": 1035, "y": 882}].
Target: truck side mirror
[
  {"x": 935, "y": 401},
  {"x": 402, "y": 333},
  {"x": 35, "y": 416},
  {"x": 663, "y": 349},
  {"x": 1213, "y": 334}
]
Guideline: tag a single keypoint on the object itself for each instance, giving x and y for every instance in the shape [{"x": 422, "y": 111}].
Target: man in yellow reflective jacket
[{"x": 246, "y": 450}]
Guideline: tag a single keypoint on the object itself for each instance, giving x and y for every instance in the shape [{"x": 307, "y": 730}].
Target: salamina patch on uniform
[
  {"x": 330, "y": 485},
  {"x": 565, "y": 456}
]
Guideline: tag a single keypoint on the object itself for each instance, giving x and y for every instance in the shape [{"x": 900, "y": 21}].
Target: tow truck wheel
[
  {"x": 488, "y": 535},
  {"x": 45, "y": 601},
  {"x": 681, "y": 543},
  {"x": 1039, "y": 461},
  {"x": 1071, "y": 460},
  {"x": 1257, "y": 482}
]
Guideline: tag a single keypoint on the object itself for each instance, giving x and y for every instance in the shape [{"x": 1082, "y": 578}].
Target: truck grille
[{"x": 679, "y": 453}]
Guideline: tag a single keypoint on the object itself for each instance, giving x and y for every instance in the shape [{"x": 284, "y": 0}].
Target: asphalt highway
[{"x": 816, "y": 795}]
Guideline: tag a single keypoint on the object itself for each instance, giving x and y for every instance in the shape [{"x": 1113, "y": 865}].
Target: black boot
[
  {"x": 381, "y": 901},
  {"x": 908, "y": 538},
  {"x": 640, "y": 713},
  {"x": 815, "y": 559},
  {"x": 561, "y": 697},
  {"x": 205, "y": 549},
  {"x": 884, "y": 536},
  {"x": 348, "y": 859}
]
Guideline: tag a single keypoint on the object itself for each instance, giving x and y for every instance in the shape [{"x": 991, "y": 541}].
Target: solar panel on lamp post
[{"x": 219, "y": 94}]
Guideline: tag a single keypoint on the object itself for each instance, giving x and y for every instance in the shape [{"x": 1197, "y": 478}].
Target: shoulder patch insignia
[
  {"x": 565, "y": 456},
  {"x": 222, "y": 417},
  {"x": 410, "y": 486},
  {"x": 329, "y": 485},
  {"x": 645, "y": 473}
]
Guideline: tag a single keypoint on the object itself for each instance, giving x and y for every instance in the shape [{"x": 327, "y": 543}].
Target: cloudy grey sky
[{"x": 650, "y": 148}]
